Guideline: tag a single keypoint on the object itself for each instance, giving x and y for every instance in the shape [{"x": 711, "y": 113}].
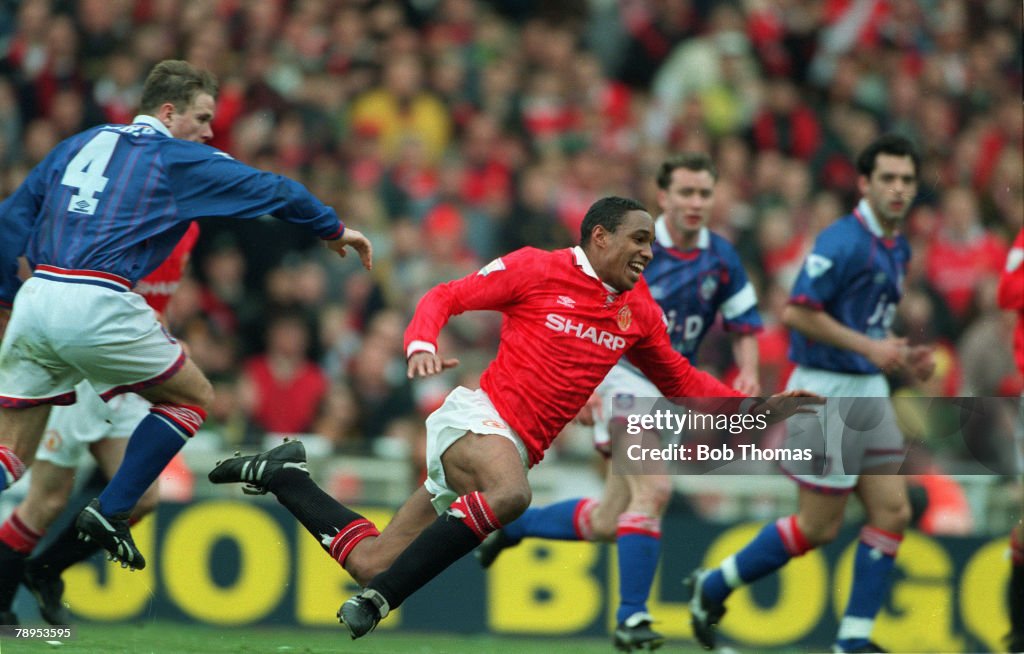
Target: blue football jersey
[
  {"x": 693, "y": 285},
  {"x": 856, "y": 276},
  {"x": 117, "y": 198}
]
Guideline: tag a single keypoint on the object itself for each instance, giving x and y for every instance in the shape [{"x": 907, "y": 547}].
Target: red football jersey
[
  {"x": 1011, "y": 293},
  {"x": 158, "y": 286},
  {"x": 563, "y": 329}
]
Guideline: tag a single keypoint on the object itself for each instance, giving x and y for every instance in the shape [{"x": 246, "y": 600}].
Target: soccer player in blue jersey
[
  {"x": 840, "y": 312},
  {"x": 694, "y": 274},
  {"x": 101, "y": 211}
]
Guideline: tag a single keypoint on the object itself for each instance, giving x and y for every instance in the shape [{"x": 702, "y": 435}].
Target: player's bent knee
[
  {"x": 821, "y": 533},
  {"x": 601, "y": 523},
  {"x": 604, "y": 531},
  {"x": 509, "y": 503},
  {"x": 894, "y": 518},
  {"x": 188, "y": 387},
  {"x": 204, "y": 394},
  {"x": 655, "y": 491}
]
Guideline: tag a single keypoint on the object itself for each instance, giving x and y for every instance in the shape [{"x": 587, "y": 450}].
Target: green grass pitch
[{"x": 174, "y": 638}]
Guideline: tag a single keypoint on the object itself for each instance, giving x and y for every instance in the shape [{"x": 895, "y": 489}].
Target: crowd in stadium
[{"x": 453, "y": 131}]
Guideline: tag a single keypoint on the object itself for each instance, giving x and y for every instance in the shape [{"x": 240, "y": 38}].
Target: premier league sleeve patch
[
  {"x": 493, "y": 266},
  {"x": 817, "y": 265}
]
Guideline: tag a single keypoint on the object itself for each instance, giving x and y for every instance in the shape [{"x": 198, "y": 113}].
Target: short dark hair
[
  {"x": 177, "y": 82},
  {"x": 695, "y": 161},
  {"x": 608, "y": 213},
  {"x": 894, "y": 144}
]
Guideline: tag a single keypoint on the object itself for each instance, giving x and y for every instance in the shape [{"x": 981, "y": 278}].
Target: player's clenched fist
[{"x": 424, "y": 364}]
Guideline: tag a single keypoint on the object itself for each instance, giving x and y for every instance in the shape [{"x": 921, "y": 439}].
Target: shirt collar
[
  {"x": 583, "y": 262},
  {"x": 662, "y": 236},
  {"x": 869, "y": 219},
  {"x": 151, "y": 121}
]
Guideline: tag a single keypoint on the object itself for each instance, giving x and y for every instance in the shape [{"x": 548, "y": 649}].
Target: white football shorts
[
  {"x": 623, "y": 392},
  {"x": 853, "y": 432},
  {"x": 71, "y": 429},
  {"x": 67, "y": 326},
  {"x": 463, "y": 411}
]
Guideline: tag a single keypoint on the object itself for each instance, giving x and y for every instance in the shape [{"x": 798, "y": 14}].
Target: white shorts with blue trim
[
  {"x": 64, "y": 328},
  {"x": 71, "y": 429},
  {"x": 855, "y": 431},
  {"x": 463, "y": 411}
]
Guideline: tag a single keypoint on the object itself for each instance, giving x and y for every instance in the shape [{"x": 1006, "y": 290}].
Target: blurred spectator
[
  {"x": 401, "y": 108},
  {"x": 718, "y": 69},
  {"x": 338, "y": 422},
  {"x": 963, "y": 252},
  {"x": 785, "y": 123},
  {"x": 282, "y": 389},
  {"x": 986, "y": 349},
  {"x": 119, "y": 88},
  {"x": 653, "y": 29},
  {"x": 377, "y": 377}
]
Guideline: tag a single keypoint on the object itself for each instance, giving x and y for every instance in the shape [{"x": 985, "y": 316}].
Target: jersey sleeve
[
  {"x": 670, "y": 371},
  {"x": 18, "y": 215},
  {"x": 208, "y": 183},
  {"x": 498, "y": 286},
  {"x": 1011, "y": 282},
  {"x": 820, "y": 278},
  {"x": 739, "y": 306}
]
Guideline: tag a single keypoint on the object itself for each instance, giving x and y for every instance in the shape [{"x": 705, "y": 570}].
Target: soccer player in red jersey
[
  {"x": 1011, "y": 296},
  {"x": 569, "y": 316}
]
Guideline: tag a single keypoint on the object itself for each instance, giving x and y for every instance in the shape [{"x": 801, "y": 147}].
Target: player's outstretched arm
[
  {"x": 358, "y": 242},
  {"x": 425, "y": 364},
  {"x": 780, "y": 406}
]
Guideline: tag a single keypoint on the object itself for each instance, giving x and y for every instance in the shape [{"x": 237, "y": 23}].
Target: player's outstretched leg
[
  {"x": 282, "y": 471},
  {"x": 155, "y": 441},
  {"x": 771, "y": 549},
  {"x": 256, "y": 471},
  {"x": 454, "y": 533}
]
